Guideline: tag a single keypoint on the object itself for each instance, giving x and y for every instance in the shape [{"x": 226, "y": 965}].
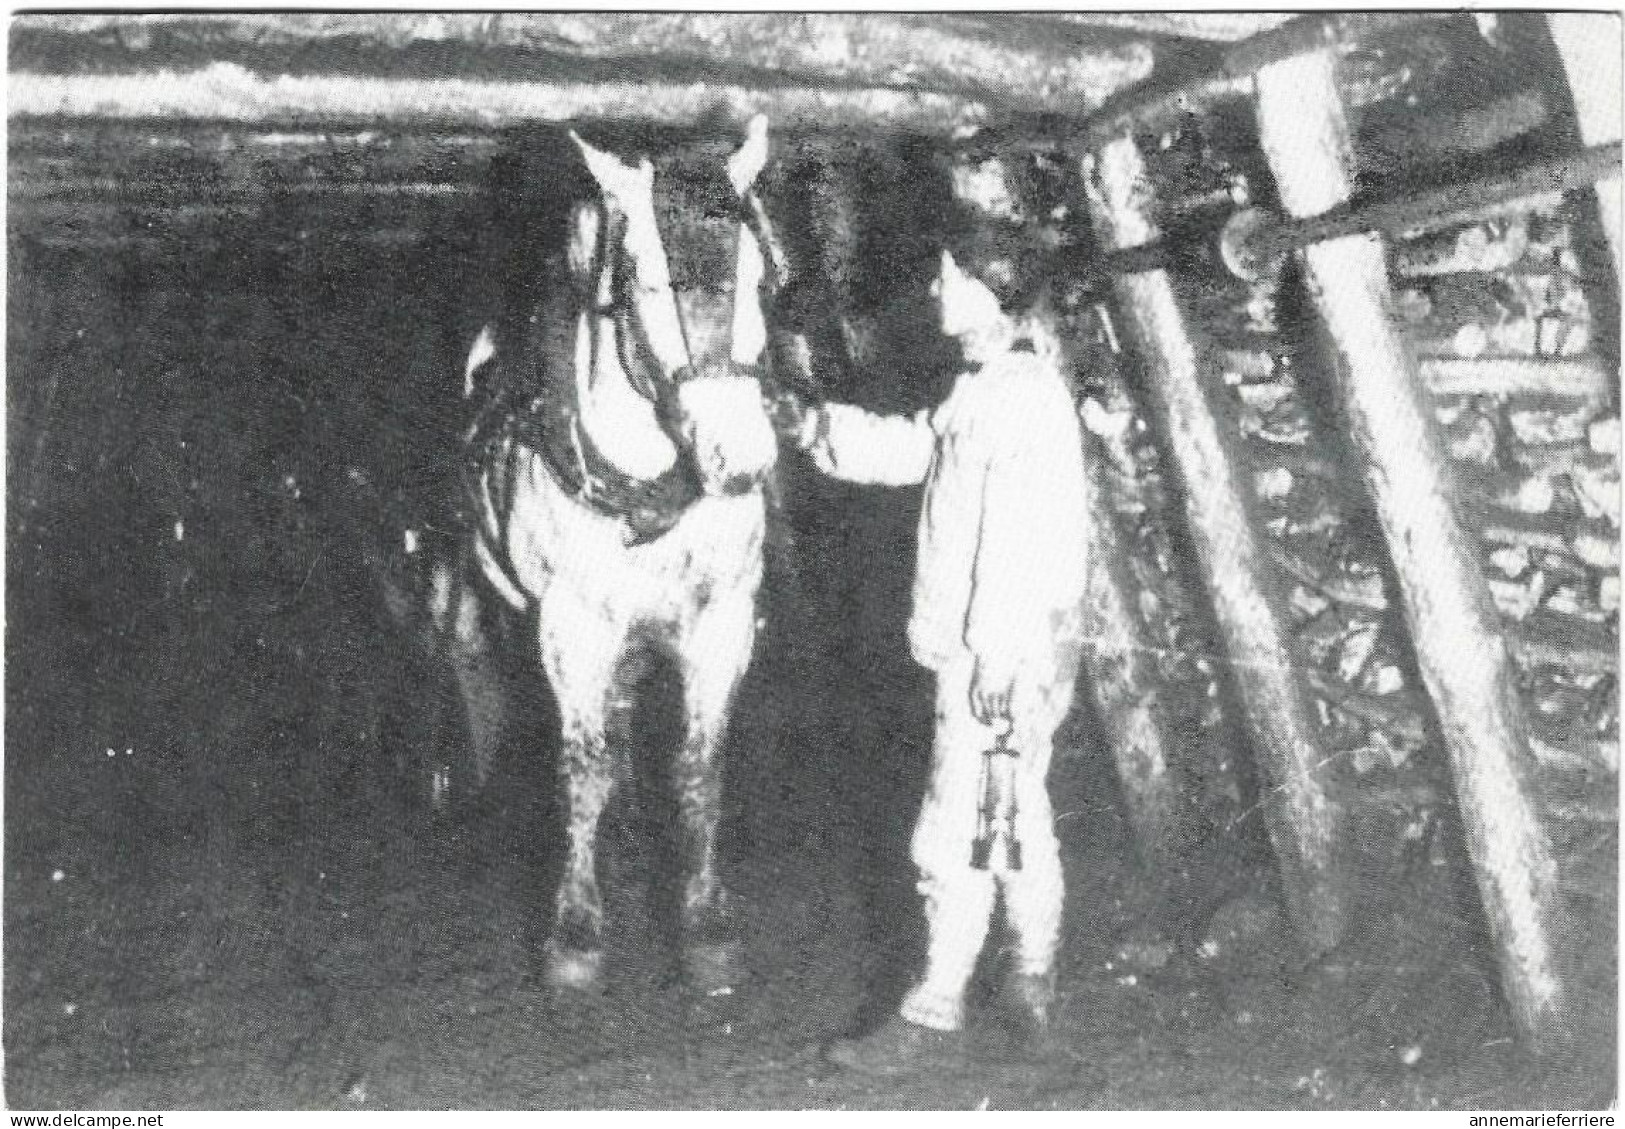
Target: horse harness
[{"x": 534, "y": 406}]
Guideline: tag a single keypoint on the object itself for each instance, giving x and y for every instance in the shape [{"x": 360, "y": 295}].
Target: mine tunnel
[{"x": 1337, "y": 295}]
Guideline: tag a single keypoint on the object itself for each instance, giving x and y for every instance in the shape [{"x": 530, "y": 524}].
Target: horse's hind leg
[
  {"x": 579, "y": 652},
  {"x": 715, "y": 653}
]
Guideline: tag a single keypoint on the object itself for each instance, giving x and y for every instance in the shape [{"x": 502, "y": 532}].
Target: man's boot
[
  {"x": 1028, "y": 1003},
  {"x": 897, "y": 1047}
]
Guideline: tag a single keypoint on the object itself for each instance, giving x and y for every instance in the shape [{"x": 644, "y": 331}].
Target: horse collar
[{"x": 646, "y": 507}]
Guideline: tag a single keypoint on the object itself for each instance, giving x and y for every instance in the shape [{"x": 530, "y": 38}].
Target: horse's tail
[
  {"x": 489, "y": 472},
  {"x": 398, "y": 553}
]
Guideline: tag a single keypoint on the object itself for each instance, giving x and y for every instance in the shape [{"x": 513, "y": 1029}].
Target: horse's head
[{"x": 677, "y": 347}]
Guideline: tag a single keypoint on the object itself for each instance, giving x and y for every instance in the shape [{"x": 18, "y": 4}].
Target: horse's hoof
[
  {"x": 715, "y": 967},
  {"x": 572, "y": 970}
]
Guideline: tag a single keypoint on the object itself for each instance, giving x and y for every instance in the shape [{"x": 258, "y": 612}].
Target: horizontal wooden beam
[
  {"x": 1582, "y": 379},
  {"x": 1255, "y": 249},
  {"x": 1216, "y": 27},
  {"x": 1315, "y": 31},
  {"x": 915, "y": 72},
  {"x": 227, "y": 92},
  {"x": 1157, "y": 105},
  {"x": 1545, "y": 639}
]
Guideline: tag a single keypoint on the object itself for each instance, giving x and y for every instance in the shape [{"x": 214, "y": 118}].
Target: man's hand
[
  {"x": 991, "y": 686},
  {"x": 794, "y": 420}
]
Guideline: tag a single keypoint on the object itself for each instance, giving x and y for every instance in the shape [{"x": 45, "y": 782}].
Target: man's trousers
[{"x": 959, "y": 899}]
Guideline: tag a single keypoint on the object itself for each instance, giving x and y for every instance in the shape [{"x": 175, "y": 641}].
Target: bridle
[
  {"x": 642, "y": 373},
  {"x": 538, "y": 408}
]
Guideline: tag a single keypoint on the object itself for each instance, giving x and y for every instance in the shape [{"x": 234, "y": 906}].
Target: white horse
[{"x": 623, "y": 506}]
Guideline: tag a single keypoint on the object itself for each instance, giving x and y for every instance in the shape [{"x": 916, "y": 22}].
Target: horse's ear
[
  {"x": 748, "y": 161},
  {"x": 619, "y": 182},
  {"x": 484, "y": 350},
  {"x": 604, "y": 166}
]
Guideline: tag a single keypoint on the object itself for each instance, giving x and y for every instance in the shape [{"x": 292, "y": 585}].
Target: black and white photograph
[{"x": 843, "y": 560}]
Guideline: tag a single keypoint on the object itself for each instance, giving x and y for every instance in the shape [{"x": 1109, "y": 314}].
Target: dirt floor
[{"x": 219, "y": 893}]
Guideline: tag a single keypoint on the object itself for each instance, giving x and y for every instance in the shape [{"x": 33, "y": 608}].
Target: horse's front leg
[
  {"x": 580, "y": 647},
  {"x": 715, "y": 652}
]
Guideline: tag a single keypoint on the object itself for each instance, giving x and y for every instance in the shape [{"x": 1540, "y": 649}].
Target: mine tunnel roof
[{"x": 932, "y": 73}]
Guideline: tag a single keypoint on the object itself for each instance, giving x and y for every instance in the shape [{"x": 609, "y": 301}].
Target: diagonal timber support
[
  {"x": 1122, "y": 672},
  {"x": 1589, "y": 45},
  {"x": 1301, "y": 817},
  {"x": 1452, "y": 620}
]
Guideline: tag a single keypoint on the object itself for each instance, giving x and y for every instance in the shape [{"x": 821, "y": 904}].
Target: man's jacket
[{"x": 1003, "y": 529}]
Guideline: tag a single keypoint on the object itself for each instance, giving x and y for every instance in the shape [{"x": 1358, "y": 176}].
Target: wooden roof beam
[{"x": 935, "y": 74}]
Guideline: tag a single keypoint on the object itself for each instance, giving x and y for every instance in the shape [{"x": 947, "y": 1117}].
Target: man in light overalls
[{"x": 997, "y": 614}]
